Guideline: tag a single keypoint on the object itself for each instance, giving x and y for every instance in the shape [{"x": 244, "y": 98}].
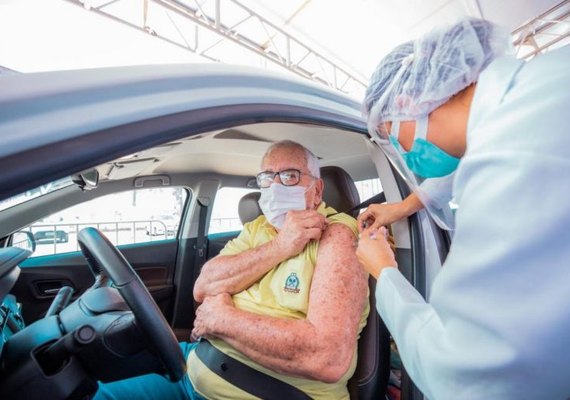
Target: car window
[
  {"x": 225, "y": 217},
  {"x": 134, "y": 216},
  {"x": 368, "y": 188}
]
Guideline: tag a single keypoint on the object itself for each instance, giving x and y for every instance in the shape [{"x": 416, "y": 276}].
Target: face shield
[
  {"x": 434, "y": 193},
  {"x": 416, "y": 78}
]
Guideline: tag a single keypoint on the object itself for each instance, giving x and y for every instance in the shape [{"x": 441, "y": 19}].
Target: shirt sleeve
[
  {"x": 243, "y": 242},
  {"x": 346, "y": 220},
  {"x": 406, "y": 314},
  {"x": 438, "y": 190}
]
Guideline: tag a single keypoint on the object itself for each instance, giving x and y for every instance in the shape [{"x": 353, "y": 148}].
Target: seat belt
[
  {"x": 200, "y": 246},
  {"x": 376, "y": 199},
  {"x": 245, "y": 377}
]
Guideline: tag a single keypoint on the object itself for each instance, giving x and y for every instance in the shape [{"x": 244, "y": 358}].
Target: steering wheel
[{"x": 103, "y": 257}]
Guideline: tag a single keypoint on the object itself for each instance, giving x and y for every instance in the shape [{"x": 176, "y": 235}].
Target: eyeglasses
[{"x": 288, "y": 177}]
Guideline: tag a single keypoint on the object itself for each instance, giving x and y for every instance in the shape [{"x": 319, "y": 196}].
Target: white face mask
[{"x": 277, "y": 200}]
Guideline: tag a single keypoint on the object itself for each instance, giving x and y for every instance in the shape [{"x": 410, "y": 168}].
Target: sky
[
  {"x": 44, "y": 35},
  {"x": 40, "y": 35}
]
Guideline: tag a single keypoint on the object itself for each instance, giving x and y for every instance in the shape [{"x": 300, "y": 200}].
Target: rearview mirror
[
  {"x": 252, "y": 183},
  {"x": 24, "y": 240},
  {"x": 86, "y": 180}
]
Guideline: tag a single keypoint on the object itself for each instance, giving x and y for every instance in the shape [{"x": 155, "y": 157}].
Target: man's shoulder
[
  {"x": 259, "y": 228},
  {"x": 344, "y": 219},
  {"x": 255, "y": 224}
]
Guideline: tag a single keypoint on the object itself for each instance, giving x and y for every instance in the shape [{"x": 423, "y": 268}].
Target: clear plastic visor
[{"x": 441, "y": 213}]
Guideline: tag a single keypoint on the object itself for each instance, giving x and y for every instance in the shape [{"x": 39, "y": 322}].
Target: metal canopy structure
[
  {"x": 545, "y": 32},
  {"x": 231, "y": 32},
  {"x": 218, "y": 29}
]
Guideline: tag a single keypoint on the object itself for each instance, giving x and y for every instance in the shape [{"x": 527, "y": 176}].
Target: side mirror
[
  {"x": 86, "y": 180},
  {"x": 24, "y": 240}
]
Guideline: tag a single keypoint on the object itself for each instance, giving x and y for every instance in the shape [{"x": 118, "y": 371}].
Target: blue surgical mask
[{"x": 424, "y": 159}]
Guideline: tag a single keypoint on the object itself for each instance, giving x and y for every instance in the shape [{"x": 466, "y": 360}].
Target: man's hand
[
  {"x": 299, "y": 228},
  {"x": 374, "y": 251},
  {"x": 210, "y": 314}
]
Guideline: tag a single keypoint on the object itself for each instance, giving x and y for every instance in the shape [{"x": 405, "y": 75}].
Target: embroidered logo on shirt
[{"x": 292, "y": 283}]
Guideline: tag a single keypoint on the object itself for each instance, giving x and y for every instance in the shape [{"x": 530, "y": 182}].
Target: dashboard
[{"x": 94, "y": 338}]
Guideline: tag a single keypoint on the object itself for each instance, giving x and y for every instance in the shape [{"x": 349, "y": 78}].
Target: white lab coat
[{"x": 497, "y": 325}]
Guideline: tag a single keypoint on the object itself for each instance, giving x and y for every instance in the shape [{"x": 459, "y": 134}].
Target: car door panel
[
  {"x": 217, "y": 241},
  {"x": 41, "y": 277}
]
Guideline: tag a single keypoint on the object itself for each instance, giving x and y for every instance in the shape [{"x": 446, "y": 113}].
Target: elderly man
[
  {"x": 287, "y": 297},
  {"x": 283, "y": 304}
]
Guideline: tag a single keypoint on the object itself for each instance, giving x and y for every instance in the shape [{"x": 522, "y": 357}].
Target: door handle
[{"x": 49, "y": 288}]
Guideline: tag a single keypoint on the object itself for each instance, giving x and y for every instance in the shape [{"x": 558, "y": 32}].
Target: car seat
[
  {"x": 248, "y": 207},
  {"x": 372, "y": 371}
]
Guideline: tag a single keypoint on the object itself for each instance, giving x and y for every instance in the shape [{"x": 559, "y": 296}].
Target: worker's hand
[
  {"x": 210, "y": 314},
  {"x": 299, "y": 228},
  {"x": 375, "y": 251},
  {"x": 377, "y": 215}
]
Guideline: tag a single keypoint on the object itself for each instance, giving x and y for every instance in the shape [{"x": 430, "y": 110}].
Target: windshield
[{"x": 37, "y": 192}]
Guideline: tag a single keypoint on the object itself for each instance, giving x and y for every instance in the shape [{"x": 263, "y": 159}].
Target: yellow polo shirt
[{"x": 283, "y": 292}]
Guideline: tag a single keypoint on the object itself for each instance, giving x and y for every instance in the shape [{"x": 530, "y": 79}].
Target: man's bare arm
[
  {"x": 231, "y": 274},
  {"x": 319, "y": 347},
  {"x": 234, "y": 273}
]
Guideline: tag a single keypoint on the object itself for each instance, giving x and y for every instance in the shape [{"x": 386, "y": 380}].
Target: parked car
[
  {"x": 51, "y": 236},
  {"x": 199, "y": 129},
  {"x": 160, "y": 229}
]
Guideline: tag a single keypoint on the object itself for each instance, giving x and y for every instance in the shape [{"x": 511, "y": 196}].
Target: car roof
[{"x": 57, "y": 123}]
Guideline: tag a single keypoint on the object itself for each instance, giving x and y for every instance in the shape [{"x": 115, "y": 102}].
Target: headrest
[
  {"x": 248, "y": 207},
  {"x": 340, "y": 193}
]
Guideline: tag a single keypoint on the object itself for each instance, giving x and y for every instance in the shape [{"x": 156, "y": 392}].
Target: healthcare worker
[{"x": 455, "y": 107}]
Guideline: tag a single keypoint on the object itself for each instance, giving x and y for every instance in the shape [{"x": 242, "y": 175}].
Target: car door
[
  {"x": 118, "y": 112},
  {"x": 143, "y": 224}
]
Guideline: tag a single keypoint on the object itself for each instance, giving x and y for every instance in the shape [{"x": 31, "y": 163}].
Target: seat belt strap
[
  {"x": 203, "y": 203},
  {"x": 246, "y": 378},
  {"x": 377, "y": 198},
  {"x": 201, "y": 243}
]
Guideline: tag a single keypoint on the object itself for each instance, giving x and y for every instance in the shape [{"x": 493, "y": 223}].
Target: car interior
[{"x": 201, "y": 165}]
